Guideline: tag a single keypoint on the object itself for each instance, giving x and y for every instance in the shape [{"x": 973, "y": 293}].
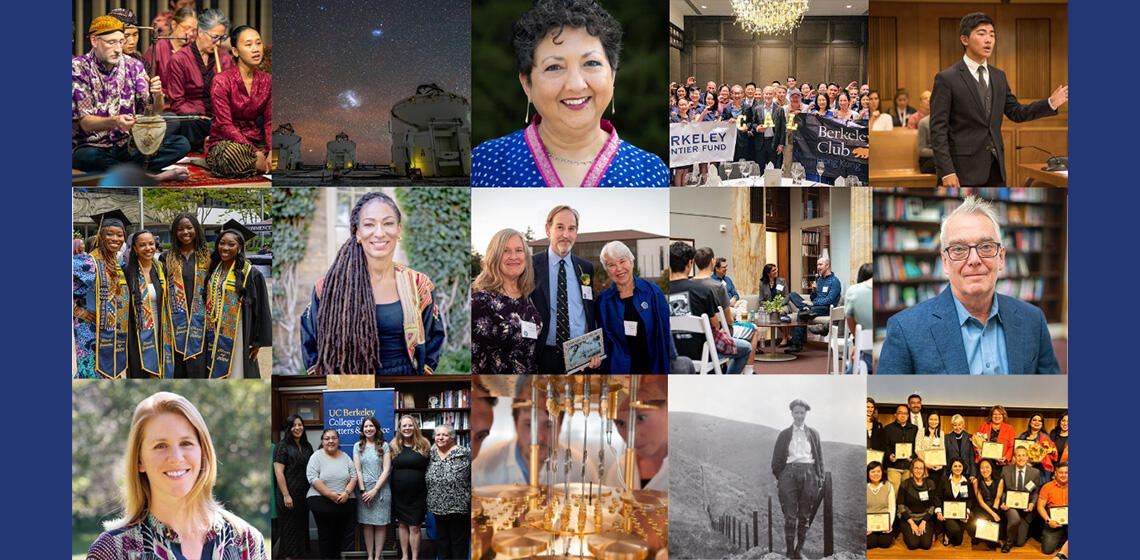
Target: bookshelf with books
[
  {"x": 434, "y": 399},
  {"x": 907, "y": 256},
  {"x": 814, "y": 241}
]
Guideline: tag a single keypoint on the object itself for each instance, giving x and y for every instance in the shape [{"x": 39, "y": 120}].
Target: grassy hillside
[{"x": 732, "y": 473}]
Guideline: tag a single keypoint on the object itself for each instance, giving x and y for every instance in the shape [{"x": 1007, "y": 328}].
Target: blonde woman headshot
[{"x": 169, "y": 509}]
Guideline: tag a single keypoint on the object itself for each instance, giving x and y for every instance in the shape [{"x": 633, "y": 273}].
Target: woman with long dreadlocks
[
  {"x": 100, "y": 296},
  {"x": 185, "y": 266},
  {"x": 371, "y": 315},
  {"x": 150, "y": 348},
  {"x": 238, "y": 321}
]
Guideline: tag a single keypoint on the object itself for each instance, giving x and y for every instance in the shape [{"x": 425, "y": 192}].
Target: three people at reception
[
  {"x": 969, "y": 328},
  {"x": 568, "y": 57}
]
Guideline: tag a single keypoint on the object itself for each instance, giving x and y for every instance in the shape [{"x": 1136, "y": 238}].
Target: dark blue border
[{"x": 1104, "y": 204}]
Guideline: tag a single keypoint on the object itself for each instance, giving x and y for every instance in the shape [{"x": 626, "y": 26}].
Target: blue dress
[
  {"x": 520, "y": 160},
  {"x": 393, "y": 352},
  {"x": 371, "y": 465}
]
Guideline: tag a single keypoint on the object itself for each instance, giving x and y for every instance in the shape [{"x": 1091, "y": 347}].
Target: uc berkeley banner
[
  {"x": 839, "y": 143},
  {"x": 345, "y": 409},
  {"x": 701, "y": 142}
]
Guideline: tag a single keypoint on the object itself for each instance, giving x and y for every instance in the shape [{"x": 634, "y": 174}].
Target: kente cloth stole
[
  {"x": 189, "y": 325},
  {"x": 224, "y": 311},
  {"x": 155, "y": 361},
  {"x": 111, "y": 323}
]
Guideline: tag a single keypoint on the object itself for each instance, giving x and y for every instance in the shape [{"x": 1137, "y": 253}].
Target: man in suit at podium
[
  {"x": 969, "y": 328},
  {"x": 563, "y": 291},
  {"x": 966, "y": 109}
]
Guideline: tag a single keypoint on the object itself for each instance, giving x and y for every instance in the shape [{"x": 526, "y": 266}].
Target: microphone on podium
[{"x": 1054, "y": 163}]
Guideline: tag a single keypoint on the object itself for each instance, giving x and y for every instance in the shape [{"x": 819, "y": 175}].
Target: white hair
[
  {"x": 824, "y": 259},
  {"x": 615, "y": 250},
  {"x": 973, "y": 205}
]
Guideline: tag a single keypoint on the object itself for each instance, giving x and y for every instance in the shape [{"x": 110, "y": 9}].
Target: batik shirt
[
  {"x": 150, "y": 539},
  {"x": 95, "y": 91}
]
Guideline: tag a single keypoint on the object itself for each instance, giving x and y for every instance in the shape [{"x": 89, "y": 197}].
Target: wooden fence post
[
  {"x": 769, "y": 523},
  {"x": 828, "y": 525}
]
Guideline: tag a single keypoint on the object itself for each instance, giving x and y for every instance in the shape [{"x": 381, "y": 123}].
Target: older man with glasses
[
  {"x": 108, "y": 89},
  {"x": 970, "y": 328}
]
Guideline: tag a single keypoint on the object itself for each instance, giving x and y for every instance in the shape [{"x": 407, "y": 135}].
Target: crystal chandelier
[{"x": 772, "y": 17}]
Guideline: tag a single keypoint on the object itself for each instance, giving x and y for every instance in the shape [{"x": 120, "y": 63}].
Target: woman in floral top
[
  {"x": 504, "y": 322},
  {"x": 449, "y": 494},
  {"x": 169, "y": 509}
]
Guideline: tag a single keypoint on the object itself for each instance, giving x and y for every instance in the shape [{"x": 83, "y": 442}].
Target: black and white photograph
[{"x": 766, "y": 467}]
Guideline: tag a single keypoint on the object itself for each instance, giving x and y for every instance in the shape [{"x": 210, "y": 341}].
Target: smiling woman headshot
[{"x": 568, "y": 55}]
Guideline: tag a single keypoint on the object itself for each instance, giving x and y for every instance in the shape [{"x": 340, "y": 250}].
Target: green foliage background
[
  {"x": 437, "y": 237},
  {"x": 498, "y": 102},
  {"x": 236, "y": 413}
]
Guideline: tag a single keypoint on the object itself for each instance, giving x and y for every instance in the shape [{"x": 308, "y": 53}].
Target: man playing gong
[
  {"x": 108, "y": 89},
  {"x": 797, "y": 463}
]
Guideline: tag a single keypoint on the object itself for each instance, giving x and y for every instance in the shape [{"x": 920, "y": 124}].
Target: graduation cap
[
  {"x": 235, "y": 226},
  {"x": 114, "y": 217}
]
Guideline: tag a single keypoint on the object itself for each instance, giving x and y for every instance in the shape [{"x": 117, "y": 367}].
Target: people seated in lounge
[{"x": 969, "y": 328}]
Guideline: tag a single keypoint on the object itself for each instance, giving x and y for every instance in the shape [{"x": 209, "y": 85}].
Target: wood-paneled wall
[
  {"x": 821, "y": 49},
  {"x": 911, "y": 42}
]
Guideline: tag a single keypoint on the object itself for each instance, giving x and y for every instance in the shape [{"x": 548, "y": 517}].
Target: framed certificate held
[
  {"x": 987, "y": 530},
  {"x": 954, "y": 510},
  {"x": 935, "y": 457},
  {"x": 993, "y": 450},
  {"x": 878, "y": 522},
  {"x": 873, "y": 456},
  {"x": 577, "y": 352},
  {"x": 1017, "y": 500},
  {"x": 903, "y": 451},
  {"x": 1059, "y": 514}
]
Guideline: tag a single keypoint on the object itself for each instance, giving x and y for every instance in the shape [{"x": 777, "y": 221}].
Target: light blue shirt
[
  {"x": 985, "y": 345},
  {"x": 573, "y": 297}
]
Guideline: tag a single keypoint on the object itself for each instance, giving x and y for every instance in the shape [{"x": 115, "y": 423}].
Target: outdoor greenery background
[
  {"x": 236, "y": 413},
  {"x": 499, "y": 103}
]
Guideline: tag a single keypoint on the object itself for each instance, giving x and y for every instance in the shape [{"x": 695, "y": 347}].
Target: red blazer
[{"x": 1005, "y": 437}]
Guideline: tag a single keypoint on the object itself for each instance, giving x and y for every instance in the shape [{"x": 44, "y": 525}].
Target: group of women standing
[
  {"x": 186, "y": 313},
  {"x": 402, "y": 479},
  {"x": 915, "y": 503}
]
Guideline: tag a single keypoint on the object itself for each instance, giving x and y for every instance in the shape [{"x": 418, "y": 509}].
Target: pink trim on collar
[{"x": 546, "y": 168}]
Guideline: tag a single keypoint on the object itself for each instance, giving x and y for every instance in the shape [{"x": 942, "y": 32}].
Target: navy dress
[{"x": 393, "y": 352}]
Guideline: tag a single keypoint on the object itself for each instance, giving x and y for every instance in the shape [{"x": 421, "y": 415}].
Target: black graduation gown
[
  {"x": 193, "y": 368},
  {"x": 256, "y": 321}
]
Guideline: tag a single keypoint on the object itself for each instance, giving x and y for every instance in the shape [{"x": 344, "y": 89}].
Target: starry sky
[{"x": 340, "y": 65}]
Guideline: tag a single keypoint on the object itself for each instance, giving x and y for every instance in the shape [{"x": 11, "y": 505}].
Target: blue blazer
[
  {"x": 927, "y": 338},
  {"x": 654, "y": 311},
  {"x": 541, "y": 291}
]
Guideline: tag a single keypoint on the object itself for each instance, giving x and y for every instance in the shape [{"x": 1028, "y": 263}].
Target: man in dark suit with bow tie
[
  {"x": 966, "y": 108},
  {"x": 563, "y": 291}
]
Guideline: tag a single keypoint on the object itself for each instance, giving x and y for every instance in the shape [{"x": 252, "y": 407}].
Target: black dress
[
  {"x": 409, "y": 491},
  {"x": 292, "y": 536}
]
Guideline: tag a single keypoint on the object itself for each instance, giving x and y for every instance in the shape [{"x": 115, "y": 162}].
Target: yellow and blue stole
[
  {"x": 224, "y": 310},
  {"x": 189, "y": 324},
  {"x": 155, "y": 362},
  {"x": 111, "y": 323}
]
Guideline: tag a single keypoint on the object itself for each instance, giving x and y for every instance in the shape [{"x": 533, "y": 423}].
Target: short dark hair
[
  {"x": 914, "y": 396},
  {"x": 866, "y": 270},
  {"x": 720, "y": 261},
  {"x": 800, "y": 403},
  {"x": 530, "y": 29},
  {"x": 829, "y": 84},
  {"x": 753, "y": 84},
  {"x": 703, "y": 257},
  {"x": 680, "y": 253},
  {"x": 971, "y": 22},
  {"x": 791, "y": 76},
  {"x": 872, "y": 466}
]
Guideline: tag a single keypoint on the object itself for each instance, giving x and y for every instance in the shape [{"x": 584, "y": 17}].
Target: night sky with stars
[{"x": 340, "y": 65}]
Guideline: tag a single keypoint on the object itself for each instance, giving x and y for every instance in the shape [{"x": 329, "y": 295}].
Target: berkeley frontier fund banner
[
  {"x": 840, "y": 144},
  {"x": 345, "y": 409},
  {"x": 701, "y": 142}
]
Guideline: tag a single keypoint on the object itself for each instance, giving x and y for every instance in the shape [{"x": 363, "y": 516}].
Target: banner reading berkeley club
[
  {"x": 840, "y": 144},
  {"x": 701, "y": 142}
]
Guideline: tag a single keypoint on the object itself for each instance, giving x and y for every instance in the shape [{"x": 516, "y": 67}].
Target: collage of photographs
[{"x": 385, "y": 325}]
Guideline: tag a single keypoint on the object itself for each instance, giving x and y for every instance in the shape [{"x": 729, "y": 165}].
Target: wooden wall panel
[
  {"x": 772, "y": 63},
  {"x": 812, "y": 31},
  {"x": 949, "y": 43},
  {"x": 1033, "y": 71},
  {"x": 811, "y": 63},
  {"x": 882, "y": 42},
  {"x": 737, "y": 68}
]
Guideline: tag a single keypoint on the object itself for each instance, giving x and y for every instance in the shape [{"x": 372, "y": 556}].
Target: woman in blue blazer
[{"x": 634, "y": 317}]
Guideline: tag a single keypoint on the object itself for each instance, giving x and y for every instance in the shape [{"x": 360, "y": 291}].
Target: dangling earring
[
  {"x": 358, "y": 241},
  {"x": 613, "y": 105},
  {"x": 526, "y": 119}
]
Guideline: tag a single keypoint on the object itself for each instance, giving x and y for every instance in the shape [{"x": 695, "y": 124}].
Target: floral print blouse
[
  {"x": 497, "y": 341},
  {"x": 148, "y": 538},
  {"x": 449, "y": 481}
]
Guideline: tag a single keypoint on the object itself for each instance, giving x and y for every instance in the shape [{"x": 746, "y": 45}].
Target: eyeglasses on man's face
[
  {"x": 113, "y": 42},
  {"x": 986, "y": 250}
]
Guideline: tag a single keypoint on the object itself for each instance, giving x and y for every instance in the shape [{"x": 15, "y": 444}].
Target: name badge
[
  {"x": 1030, "y": 485},
  {"x": 825, "y": 289},
  {"x": 631, "y": 328},
  {"x": 529, "y": 329},
  {"x": 924, "y": 495},
  {"x": 780, "y": 288},
  {"x": 587, "y": 293}
]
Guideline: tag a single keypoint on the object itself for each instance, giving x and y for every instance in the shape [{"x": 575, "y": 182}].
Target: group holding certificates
[{"x": 923, "y": 482}]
